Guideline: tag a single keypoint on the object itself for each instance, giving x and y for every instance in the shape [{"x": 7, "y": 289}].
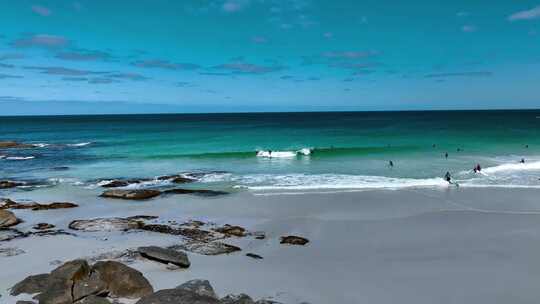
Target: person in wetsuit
[
  {"x": 448, "y": 177},
  {"x": 391, "y": 164}
]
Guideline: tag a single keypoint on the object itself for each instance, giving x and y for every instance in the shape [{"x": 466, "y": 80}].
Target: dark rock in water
[
  {"x": 192, "y": 233},
  {"x": 177, "y": 179},
  {"x": 142, "y": 217},
  {"x": 123, "y": 281},
  {"x": 43, "y": 226},
  {"x": 25, "y": 302},
  {"x": 259, "y": 235},
  {"x": 200, "y": 287},
  {"x": 231, "y": 230},
  {"x": 139, "y": 194},
  {"x": 14, "y": 145},
  {"x": 201, "y": 192},
  {"x": 208, "y": 248},
  {"x": 32, "y": 284},
  {"x": 177, "y": 296},
  {"x": 115, "y": 184},
  {"x": 5, "y": 184},
  {"x": 165, "y": 256},
  {"x": 255, "y": 256},
  {"x": 93, "y": 300},
  {"x": 8, "y": 219},
  {"x": 237, "y": 299},
  {"x": 293, "y": 240},
  {"x": 106, "y": 224}
]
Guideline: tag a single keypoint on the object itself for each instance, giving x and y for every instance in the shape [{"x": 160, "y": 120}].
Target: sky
[{"x": 94, "y": 56}]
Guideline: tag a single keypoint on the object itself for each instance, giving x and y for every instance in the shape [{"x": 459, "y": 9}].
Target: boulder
[
  {"x": 115, "y": 184},
  {"x": 199, "y": 192},
  {"x": 6, "y": 203},
  {"x": 177, "y": 179},
  {"x": 229, "y": 230},
  {"x": 105, "y": 224},
  {"x": 200, "y": 287},
  {"x": 137, "y": 194},
  {"x": 93, "y": 300},
  {"x": 43, "y": 226},
  {"x": 293, "y": 240},
  {"x": 177, "y": 296},
  {"x": 208, "y": 248},
  {"x": 237, "y": 299},
  {"x": 8, "y": 219},
  {"x": 191, "y": 233},
  {"x": 90, "y": 285},
  {"x": 123, "y": 281},
  {"x": 32, "y": 284},
  {"x": 61, "y": 280},
  {"x": 166, "y": 256},
  {"x": 9, "y": 204},
  {"x": 5, "y": 184}
]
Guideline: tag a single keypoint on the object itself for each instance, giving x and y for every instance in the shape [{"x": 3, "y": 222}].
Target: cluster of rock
[
  {"x": 77, "y": 282},
  {"x": 142, "y": 194},
  {"x": 6, "y": 203}
]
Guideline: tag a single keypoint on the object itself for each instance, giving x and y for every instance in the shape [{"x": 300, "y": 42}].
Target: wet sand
[{"x": 407, "y": 246}]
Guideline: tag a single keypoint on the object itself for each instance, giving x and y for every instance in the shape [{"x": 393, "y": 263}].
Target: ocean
[{"x": 279, "y": 152}]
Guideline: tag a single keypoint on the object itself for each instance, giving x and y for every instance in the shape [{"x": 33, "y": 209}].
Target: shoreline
[{"x": 374, "y": 245}]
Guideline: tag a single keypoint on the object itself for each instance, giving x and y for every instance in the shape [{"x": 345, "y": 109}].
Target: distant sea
[{"x": 280, "y": 152}]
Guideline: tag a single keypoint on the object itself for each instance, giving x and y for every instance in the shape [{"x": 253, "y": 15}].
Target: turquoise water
[{"x": 341, "y": 150}]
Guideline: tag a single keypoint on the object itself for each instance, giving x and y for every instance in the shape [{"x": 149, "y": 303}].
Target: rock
[
  {"x": 6, "y": 203},
  {"x": 177, "y": 179},
  {"x": 237, "y": 299},
  {"x": 89, "y": 286},
  {"x": 32, "y": 284},
  {"x": 9, "y": 204},
  {"x": 8, "y": 219},
  {"x": 255, "y": 256},
  {"x": 138, "y": 194},
  {"x": 259, "y": 235},
  {"x": 5, "y": 184},
  {"x": 165, "y": 256},
  {"x": 208, "y": 248},
  {"x": 43, "y": 226},
  {"x": 93, "y": 300},
  {"x": 293, "y": 240},
  {"x": 200, "y": 287},
  {"x": 200, "y": 192},
  {"x": 123, "y": 281},
  {"x": 10, "y": 234},
  {"x": 192, "y": 233},
  {"x": 177, "y": 296},
  {"x": 25, "y": 302},
  {"x": 231, "y": 230},
  {"x": 14, "y": 144},
  {"x": 61, "y": 280},
  {"x": 115, "y": 184},
  {"x": 263, "y": 301},
  {"x": 105, "y": 224}
]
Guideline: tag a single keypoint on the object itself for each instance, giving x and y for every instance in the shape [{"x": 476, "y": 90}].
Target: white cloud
[{"x": 526, "y": 15}]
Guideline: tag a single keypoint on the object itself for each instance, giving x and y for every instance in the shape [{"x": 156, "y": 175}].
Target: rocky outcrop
[
  {"x": 208, "y": 248},
  {"x": 10, "y": 204},
  {"x": 177, "y": 179},
  {"x": 77, "y": 282},
  {"x": 200, "y": 287},
  {"x": 14, "y": 145},
  {"x": 164, "y": 255},
  {"x": 8, "y": 219},
  {"x": 106, "y": 224},
  {"x": 229, "y": 230},
  {"x": 293, "y": 240},
  {"x": 6, "y": 184},
  {"x": 115, "y": 184},
  {"x": 138, "y": 194}
]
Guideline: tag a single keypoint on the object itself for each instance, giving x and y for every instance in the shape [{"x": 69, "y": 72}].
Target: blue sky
[{"x": 265, "y": 55}]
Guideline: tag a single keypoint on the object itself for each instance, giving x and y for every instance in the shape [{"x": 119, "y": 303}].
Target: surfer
[
  {"x": 477, "y": 168},
  {"x": 391, "y": 164},
  {"x": 446, "y": 155},
  {"x": 522, "y": 160},
  {"x": 448, "y": 177}
]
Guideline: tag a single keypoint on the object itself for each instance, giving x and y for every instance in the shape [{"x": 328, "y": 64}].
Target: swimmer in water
[
  {"x": 522, "y": 160},
  {"x": 446, "y": 155},
  {"x": 391, "y": 164}
]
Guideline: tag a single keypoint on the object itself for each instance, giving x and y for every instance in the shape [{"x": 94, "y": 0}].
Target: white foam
[
  {"x": 19, "y": 157},
  {"x": 509, "y": 167},
  {"x": 276, "y": 154},
  {"x": 305, "y": 151},
  {"x": 80, "y": 144},
  {"x": 333, "y": 181},
  {"x": 41, "y": 145}
]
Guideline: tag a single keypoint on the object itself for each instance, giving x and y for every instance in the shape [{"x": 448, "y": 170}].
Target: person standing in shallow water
[
  {"x": 391, "y": 164},
  {"x": 446, "y": 155}
]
